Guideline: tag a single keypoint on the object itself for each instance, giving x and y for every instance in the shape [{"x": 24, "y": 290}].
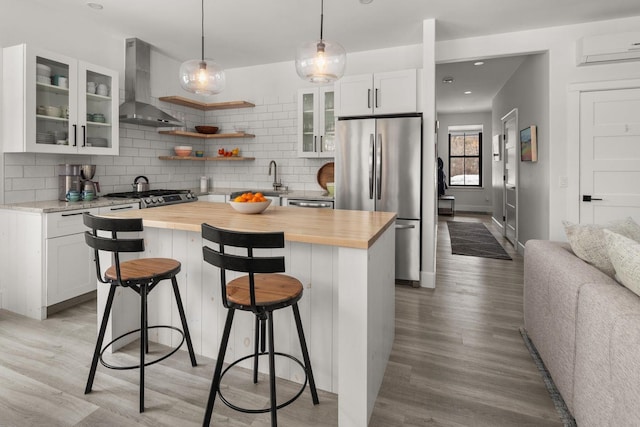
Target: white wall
[
  {"x": 528, "y": 91},
  {"x": 429, "y": 160},
  {"x": 559, "y": 42},
  {"x": 469, "y": 199}
]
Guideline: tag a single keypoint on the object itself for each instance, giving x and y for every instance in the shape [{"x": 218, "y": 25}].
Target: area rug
[
  {"x": 556, "y": 397},
  {"x": 474, "y": 239}
]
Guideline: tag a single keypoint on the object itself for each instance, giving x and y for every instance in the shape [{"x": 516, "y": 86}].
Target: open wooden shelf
[
  {"x": 218, "y": 158},
  {"x": 191, "y": 103},
  {"x": 207, "y": 135}
]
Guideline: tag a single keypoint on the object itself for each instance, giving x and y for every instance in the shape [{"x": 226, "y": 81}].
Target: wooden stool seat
[
  {"x": 144, "y": 269},
  {"x": 270, "y": 289}
]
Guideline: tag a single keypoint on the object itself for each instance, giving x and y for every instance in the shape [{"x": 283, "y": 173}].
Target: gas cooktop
[{"x": 155, "y": 198}]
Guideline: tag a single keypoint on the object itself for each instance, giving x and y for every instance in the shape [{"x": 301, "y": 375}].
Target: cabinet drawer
[{"x": 65, "y": 223}]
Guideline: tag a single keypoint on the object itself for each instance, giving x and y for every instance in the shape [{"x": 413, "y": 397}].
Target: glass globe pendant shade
[
  {"x": 203, "y": 77},
  {"x": 321, "y": 61}
]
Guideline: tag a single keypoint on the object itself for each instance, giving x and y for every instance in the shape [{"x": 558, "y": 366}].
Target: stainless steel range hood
[{"x": 137, "y": 108}]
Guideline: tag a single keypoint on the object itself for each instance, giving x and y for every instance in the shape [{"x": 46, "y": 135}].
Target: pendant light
[
  {"x": 321, "y": 61},
  {"x": 201, "y": 76}
]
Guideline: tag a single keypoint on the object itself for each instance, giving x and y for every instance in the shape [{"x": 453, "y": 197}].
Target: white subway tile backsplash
[
  {"x": 13, "y": 171},
  {"x": 19, "y": 159},
  {"x": 27, "y": 183},
  {"x": 273, "y": 121},
  {"x": 39, "y": 171}
]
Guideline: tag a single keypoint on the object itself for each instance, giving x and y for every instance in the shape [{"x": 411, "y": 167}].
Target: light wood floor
[{"x": 458, "y": 360}]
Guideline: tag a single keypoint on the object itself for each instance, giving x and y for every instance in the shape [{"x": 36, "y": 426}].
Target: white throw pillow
[
  {"x": 589, "y": 244},
  {"x": 625, "y": 257}
]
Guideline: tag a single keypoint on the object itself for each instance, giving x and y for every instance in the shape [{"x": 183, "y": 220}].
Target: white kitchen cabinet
[
  {"x": 68, "y": 260},
  {"x": 391, "y": 92},
  {"x": 70, "y": 268},
  {"x": 44, "y": 258},
  {"x": 45, "y": 115},
  {"x": 316, "y": 122}
]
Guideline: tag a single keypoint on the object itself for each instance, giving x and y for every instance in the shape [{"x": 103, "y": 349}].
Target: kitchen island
[{"x": 345, "y": 260}]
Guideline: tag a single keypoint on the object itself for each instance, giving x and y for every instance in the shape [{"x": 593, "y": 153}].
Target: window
[{"x": 465, "y": 159}]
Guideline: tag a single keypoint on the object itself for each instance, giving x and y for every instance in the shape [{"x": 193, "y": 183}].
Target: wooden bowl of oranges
[{"x": 250, "y": 203}]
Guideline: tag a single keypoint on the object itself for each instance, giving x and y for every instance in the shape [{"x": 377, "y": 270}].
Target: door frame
[
  {"x": 511, "y": 114},
  {"x": 573, "y": 137}
]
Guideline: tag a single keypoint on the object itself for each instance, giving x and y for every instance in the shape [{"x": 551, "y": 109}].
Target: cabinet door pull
[
  {"x": 321, "y": 143},
  {"x": 315, "y": 143},
  {"x": 84, "y": 136},
  {"x": 368, "y": 98},
  {"x": 74, "y": 214},
  {"x": 121, "y": 208},
  {"x": 376, "y": 103},
  {"x": 75, "y": 135}
]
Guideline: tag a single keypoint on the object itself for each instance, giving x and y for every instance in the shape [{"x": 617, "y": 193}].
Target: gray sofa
[{"x": 586, "y": 328}]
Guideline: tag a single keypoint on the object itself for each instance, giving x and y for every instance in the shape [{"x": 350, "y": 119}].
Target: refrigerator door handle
[
  {"x": 404, "y": 227},
  {"x": 379, "y": 167},
  {"x": 371, "y": 152}
]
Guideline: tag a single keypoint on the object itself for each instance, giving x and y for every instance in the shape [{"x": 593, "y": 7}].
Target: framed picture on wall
[{"x": 529, "y": 144}]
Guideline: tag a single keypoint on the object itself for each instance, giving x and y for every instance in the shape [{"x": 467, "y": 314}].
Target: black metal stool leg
[
  {"x": 305, "y": 354},
  {"x": 183, "y": 319},
  {"x": 146, "y": 325},
  {"x": 99, "y": 341},
  {"x": 215, "y": 384},
  {"x": 143, "y": 339},
  {"x": 255, "y": 351},
  {"x": 272, "y": 373}
]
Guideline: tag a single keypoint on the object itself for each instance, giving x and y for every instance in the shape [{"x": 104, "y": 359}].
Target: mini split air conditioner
[{"x": 609, "y": 47}]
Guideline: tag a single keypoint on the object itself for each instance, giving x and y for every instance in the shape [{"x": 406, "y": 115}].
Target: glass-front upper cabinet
[
  {"x": 56, "y": 104},
  {"x": 316, "y": 122}
]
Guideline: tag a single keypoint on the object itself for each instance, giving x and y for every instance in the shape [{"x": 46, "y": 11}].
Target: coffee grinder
[{"x": 68, "y": 179}]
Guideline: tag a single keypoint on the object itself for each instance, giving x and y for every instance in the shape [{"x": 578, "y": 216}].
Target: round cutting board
[{"x": 325, "y": 174}]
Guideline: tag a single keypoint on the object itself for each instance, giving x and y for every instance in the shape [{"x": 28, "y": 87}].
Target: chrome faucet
[{"x": 275, "y": 184}]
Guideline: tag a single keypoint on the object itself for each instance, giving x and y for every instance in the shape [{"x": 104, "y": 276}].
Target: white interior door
[
  {"x": 609, "y": 155},
  {"x": 511, "y": 158}
]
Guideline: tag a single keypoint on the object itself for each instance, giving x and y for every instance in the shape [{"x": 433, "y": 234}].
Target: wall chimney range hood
[{"x": 137, "y": 108}]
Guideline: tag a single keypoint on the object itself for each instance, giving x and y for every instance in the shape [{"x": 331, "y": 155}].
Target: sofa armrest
[
  {"x": 607, "y": 373},
  {"x": 553, "y": 277}
]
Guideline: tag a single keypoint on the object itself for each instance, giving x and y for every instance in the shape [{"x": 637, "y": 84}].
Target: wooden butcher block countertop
[{"x": 353, "y": 229}]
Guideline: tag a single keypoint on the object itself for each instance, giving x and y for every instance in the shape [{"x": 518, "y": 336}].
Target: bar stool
[
  {"x": 261, "y": 291},
  {"x": 140, "y": 275}
]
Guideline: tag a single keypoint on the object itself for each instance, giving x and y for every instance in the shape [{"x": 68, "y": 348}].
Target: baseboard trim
[
  {"x": 57, "y": 308},
  {"x": 427, "y": 279},
  {"x": 497, "y": 223}
]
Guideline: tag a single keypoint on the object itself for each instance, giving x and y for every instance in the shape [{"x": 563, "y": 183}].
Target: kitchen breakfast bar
[{"x": 345, "y": 260}]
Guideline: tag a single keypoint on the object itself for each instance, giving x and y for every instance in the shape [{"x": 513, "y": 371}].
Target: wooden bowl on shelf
[{"x": 207, "y": 129}]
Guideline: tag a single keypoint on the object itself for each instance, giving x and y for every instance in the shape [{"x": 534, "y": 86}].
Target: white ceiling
[
  {"x": 483, "y": 81},
  {"x": 249, "y": 32},
  {"x": 242, "y": 33}
]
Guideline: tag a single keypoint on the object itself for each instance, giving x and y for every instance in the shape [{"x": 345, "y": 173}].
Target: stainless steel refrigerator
[{"x": 378, "y": 168}]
